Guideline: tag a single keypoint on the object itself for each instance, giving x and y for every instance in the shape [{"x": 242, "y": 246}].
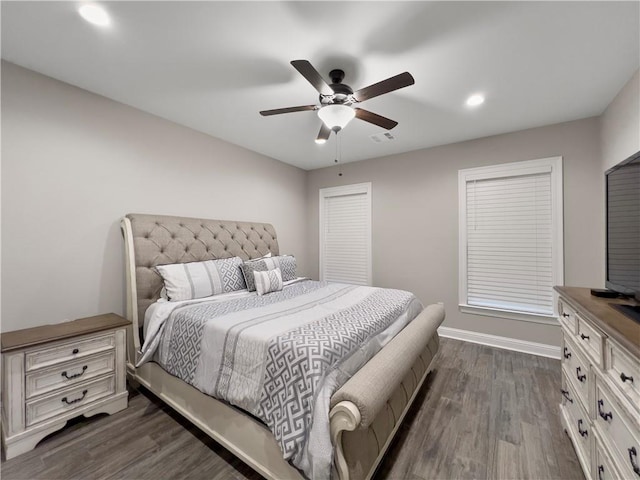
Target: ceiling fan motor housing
[{"x": 342, "y": 92}]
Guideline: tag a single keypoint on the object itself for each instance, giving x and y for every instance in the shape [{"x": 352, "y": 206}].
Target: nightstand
[{"x": 53, "y": 373}]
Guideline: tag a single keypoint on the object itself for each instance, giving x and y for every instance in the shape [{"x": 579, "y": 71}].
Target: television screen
[{"x": 623, "y": 227}]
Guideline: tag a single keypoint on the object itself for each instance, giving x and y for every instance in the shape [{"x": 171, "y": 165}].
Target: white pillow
[
  {"x": 268, "y": 281},
  {"x": 186, "y": 281}
]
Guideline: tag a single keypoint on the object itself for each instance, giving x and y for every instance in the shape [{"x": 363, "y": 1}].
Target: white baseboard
[{"x": 506, "y": 343}]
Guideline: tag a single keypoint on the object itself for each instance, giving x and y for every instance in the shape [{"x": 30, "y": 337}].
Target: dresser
[
  {"x": 53, "y": 373},
  {"x": 600, "y": 390}
]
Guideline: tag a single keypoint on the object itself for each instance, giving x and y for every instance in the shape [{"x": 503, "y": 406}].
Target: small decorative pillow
[
  {"x": 269, "y": 281},
  {"x": 286, "y": 264},
  {"x": 186, "y": 281}
]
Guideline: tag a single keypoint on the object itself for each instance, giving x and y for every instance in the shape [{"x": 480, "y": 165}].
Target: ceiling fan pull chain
[{"x": 338, "y": 154}]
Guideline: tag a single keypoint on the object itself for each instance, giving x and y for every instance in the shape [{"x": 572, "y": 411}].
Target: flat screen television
[{"x": 623, "y": 227}]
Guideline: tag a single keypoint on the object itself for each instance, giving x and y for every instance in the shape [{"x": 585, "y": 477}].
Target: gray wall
[
  {"x": 73, "y": 163},
  {"x": 621, "y": 124},
  {"x": 415, "y": 215}
]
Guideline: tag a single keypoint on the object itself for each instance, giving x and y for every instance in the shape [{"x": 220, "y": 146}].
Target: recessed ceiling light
[
  {"x": 94, "y": 14},
  {"x": 321, "y": 141},
  {"x": 475, "y": 100}
]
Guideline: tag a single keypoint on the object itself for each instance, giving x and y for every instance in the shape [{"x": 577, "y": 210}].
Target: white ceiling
[{"x": 213, "y": 65}]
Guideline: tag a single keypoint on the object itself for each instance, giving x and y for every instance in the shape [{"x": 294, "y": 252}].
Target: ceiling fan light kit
[
  {"x": 336, "y": 100},
  {"x": 336, "y": 116}
]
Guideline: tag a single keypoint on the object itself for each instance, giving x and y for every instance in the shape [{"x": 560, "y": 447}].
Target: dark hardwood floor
[{"x": 486, "y": 413}]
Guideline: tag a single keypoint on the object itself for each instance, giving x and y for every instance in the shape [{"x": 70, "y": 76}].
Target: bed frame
[{"x": 365, "y": 413}]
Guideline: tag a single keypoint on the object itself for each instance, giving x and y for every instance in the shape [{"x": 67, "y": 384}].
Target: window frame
[{"x": 553, "y": 165}]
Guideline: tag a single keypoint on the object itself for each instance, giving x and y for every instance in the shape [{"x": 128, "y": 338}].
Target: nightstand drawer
[
  {"x": 63, "y": 352},
  {"x": 69, "y": 399},
  {"x": 69, "y": 373}
]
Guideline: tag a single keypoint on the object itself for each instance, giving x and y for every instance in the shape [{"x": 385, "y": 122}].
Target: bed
[{"x": 364, "y": 413}]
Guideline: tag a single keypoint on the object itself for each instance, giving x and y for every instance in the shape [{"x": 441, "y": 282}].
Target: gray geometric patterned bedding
[{"x": 282, "y": 355}]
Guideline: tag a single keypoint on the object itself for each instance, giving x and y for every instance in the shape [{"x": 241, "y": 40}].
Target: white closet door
[{"x": 345, "y": 234}]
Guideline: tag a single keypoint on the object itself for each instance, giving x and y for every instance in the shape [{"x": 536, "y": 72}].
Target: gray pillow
[{"x": 286, "y": 264}]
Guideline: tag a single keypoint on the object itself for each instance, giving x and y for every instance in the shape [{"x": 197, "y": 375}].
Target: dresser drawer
[
  {"x": 579, "y": 425},
  {"x": 591, "y": 341},
  {"x": 604, "y": 469},
  {"x": 568, "y": 394},
  {"x": 65, "y": 351},
  {"x": 69, "y": 399},
  {"x": 62, "y": 375},
  {"x": 576, "y": 368},
  {"x": 618, "y": 429},
  {"x": 624, "y": 372},
  {"x": 567, "y": 317}
]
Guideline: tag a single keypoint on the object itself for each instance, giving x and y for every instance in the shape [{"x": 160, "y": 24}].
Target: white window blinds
[
  {"x": 510, "y": 245},
  {"x": 345, "y": 234}
]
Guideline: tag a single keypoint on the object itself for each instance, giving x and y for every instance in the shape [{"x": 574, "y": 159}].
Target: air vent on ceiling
[{"x": 382, "y": 137}]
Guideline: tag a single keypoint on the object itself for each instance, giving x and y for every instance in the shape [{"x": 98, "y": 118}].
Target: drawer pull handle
[
  {"x": 75, "y": 351},
  {"x": 565, "y": 394},
  {"x": 582, "y": 377},
  {"x": 567, "y": 353},
  {"x": 75, "y": 400},
  {"x": 624, "y": 378},
  {"x": 606, "y": 416},
  {"x": 584, "y": 433},
  {"x": 633, "y": 455},
  {"x": 584, "y": 337},
  {"x": 600, "y": 471},
  {"x": 75, "y": 375},
  {"x": 566, "y": 315}
]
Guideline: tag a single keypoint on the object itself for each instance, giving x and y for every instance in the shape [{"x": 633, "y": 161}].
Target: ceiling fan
[{"x": 337, "y": 99}]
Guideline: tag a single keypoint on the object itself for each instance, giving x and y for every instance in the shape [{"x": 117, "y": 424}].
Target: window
[
  {"x": 345, "y": 234},
  {"x": 511, "y": 239}
]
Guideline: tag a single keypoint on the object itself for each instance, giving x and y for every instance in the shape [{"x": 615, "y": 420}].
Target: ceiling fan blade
[
  {"x": 385, "y": 86},
  {"x": 323, "y": 134},
  {"x": 278, "y": 111},
  {"x": 374, "y": 118},
  {"x": 312, "y": 76}
]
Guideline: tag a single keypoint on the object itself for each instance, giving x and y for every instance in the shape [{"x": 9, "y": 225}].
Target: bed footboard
[{"x": 369, "y": 408}]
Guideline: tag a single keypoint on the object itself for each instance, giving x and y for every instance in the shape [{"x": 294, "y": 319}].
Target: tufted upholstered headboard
[{"x": 152, "y": 240}]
